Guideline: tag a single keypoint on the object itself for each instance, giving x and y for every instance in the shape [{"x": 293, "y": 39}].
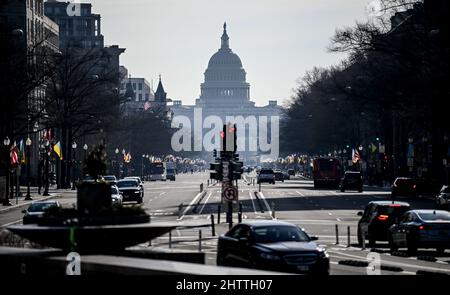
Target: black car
[
  {"x": 279, "y": 176},
  {"x": 131, "y": 190},
  {"x": 378, "y": 216},
  {"x": 272, "y": 245},
  {"x": 352, "y": 180},
  {"x": 36, "y": 210},
  {"x": 421, "y": 229},
  {"x": 405, "y": 187}
]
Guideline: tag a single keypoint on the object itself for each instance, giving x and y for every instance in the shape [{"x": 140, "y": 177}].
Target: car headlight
[
  {"x": 270, "y": 256},
  {"x": 322, "y": 252},
  {"x": 137, "y": 192}
]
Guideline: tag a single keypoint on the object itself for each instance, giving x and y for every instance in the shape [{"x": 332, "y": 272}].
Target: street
[{"x": 295, "y": 201}]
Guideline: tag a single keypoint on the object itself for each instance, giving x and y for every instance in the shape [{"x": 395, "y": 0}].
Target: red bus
[{"x": 327, "y": 172}]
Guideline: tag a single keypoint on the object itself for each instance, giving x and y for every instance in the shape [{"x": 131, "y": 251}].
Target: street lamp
[
  {"x": 6, "y": 143},
  {"x": 46, "y": 164},
  {"x": 117, "y": 161},
  {"x": 74, "y": 147},
  {"x": 28, "y": 144}
]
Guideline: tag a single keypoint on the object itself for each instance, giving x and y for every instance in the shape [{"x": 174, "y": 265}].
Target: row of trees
[{"x": 393, "y": 87}]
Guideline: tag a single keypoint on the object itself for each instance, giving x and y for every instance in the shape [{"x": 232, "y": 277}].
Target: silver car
[{"x": 116, "y": 196}]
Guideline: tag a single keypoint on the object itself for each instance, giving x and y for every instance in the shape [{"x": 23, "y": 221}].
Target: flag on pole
[
  {"x": 127, "y": 158},
  {"x": 23, "y": 159},
  {"x": 14, "y": 156},
  {"x": 355, "y": 156},
  {"x": 374, "y": 148},
  {"x": 58, "y": 150}
]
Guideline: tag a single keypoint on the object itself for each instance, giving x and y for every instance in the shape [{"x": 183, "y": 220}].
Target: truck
[
  {"x": 170, "y": 170},
  {"x": 327, "y": 172}
]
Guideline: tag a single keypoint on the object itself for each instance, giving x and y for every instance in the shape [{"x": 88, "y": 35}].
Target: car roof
[
  {"x": 424, "y": 211},
  {"x": 127, "y": 179},
  {"x": 258, "y": 223},
  {"x": 355, "y": 172},
  {"x": 387, "y": 203},
  {"x": 133, "y": 177}
]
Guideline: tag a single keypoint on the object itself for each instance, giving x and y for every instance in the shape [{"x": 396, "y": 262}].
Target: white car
[{"x": 116, "y": 195}]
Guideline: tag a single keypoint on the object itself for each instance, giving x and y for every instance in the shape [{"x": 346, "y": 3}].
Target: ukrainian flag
[{"x": 57, "y": 149}]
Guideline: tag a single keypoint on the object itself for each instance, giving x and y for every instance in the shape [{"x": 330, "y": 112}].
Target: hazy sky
[{"x": 277, "y": 40}]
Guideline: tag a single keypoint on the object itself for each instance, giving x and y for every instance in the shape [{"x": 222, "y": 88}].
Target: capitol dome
[{"x": 225, "y": 58}]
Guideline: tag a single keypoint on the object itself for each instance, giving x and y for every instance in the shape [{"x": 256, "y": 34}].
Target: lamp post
[
  {"x": 142, "y": 166},
  {"x": 46, "y": 164},
  {"x": 85, "y": 148},
  {"x": 6, "y": 143},
  {"x": 28, "y": 144},
  {"x": 123, "y": 162},
  {"x": 74, "y": 147}
]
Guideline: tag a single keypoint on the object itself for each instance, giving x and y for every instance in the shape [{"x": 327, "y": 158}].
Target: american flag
[
  {"x": 147, "y": 105},
  {"x": 355, "y": 156},
  {"x": 14, "y": 157}
]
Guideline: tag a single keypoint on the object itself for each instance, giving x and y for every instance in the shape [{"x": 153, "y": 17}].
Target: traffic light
[
  {"x": 236, "y": 170},
  {"x": 229, "y": 138},
  {"x": 217, "y": 171}
]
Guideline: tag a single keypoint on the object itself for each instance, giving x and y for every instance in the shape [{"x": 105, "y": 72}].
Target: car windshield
[
  {"x": 128, "y": 183},
  {"x": 392, "y": 210},
  {"x": 109, "y": 178},
  {"x": 40, "y": 207},
  {"x": 404, "y": 181},
  {"x": 273, "y": 234},
  {"x": 114, "y": 191},
  {"x": 170, "y": 171},
  {"x": 435, "y": 216},
  {"x": 446, "y": 190},
  {"x": 266, "y": 171}
]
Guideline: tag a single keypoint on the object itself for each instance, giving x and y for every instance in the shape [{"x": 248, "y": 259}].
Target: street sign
[{"x": 230, "y": 193}]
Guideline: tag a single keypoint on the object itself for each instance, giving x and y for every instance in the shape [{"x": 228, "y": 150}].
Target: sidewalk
[{"x": 21, "y": 202}]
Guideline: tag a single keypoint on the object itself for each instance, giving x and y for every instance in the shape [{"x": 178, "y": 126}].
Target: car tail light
[
  {"x": 423, "y": 227},
  {"x": 395, "y": 205},
  {"x": 414, "y": 186},
  {"x": 383, "y": 217}
]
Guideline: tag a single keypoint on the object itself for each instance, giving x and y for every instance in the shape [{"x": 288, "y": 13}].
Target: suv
[
  {"x": 279, "y": 175},
  {"x": 378, "y": 216},
  {"x": 266, "y": 175},
  {"x": 351, "y": 180}
]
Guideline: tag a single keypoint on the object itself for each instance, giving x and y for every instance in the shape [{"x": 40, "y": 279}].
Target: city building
[{"x": 28, "y": 40}]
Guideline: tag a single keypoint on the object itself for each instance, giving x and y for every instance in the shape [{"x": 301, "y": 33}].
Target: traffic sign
[{"x": 230, "y": 193}]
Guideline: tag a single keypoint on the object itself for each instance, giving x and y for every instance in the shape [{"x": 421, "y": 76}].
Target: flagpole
[{"x": 28, "y": 160}]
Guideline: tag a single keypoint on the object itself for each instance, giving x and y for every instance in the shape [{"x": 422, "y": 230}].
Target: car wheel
[
  {"x": 140, "y": 201},
  {"x": 372, "y": 240},
  {"x": 220, "y": 260},
  {"x": 342, "y": 190},
  {"x": 392, "y": 246},
  {"x": 412, "y": 247},
  {"x": 360, "y": 190}
]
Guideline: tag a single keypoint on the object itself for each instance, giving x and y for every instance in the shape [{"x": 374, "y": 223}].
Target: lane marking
[
  {"x": 204, "y": 204},
  {"x": 301, "y": 194},
  {"x": 265, "y": 202},
  {"x": 253, "y": 203},
  {"x": 190, "y": 205},
  {"x": 11, "y": 223}
]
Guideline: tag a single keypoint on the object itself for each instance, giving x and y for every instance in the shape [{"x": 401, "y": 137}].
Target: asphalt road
[{"x": 295, "y": 201}]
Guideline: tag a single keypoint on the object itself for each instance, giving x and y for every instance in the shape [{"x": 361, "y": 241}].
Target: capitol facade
[{"x": 225, "y": 92}]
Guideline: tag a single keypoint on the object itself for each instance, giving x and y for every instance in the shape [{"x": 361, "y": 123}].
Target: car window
[
  {"x": 393, "y": 211},
  {"x": 405, "y": 218},
  {"x": 114, "y": 191},
  {"x": 266, "y": 171},
  {"x": 239, "y": 232},
  {"x": 273, "y": 234},
  {"x": 129, "y": 183},
  {"x": 40, "y": 207},
  {"x": 435, "y": 216}
]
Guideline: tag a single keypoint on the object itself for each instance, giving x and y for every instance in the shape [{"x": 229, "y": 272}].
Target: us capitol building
[{"x": 225, "y": 91}]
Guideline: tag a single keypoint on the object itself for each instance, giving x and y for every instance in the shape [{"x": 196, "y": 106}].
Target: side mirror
[
  {"x": 359, "y": 213},
  {"x": 24, "y": 211},
  {"x": 314, "y": 238}
]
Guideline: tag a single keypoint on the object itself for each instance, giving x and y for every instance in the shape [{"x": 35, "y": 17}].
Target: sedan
[
  {"x": 111, "y": 179},
  {"x": 131, "y": 190},
  {"x": 37, "y": 210},
  {"x": 272, "y": 245},
  {"x": 116, "y": 196},
  {"x": 421, "y": 229}
]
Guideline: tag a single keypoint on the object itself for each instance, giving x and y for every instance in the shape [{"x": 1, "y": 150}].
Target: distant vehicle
[
  {"x": 266, "y": 175},
  {"x": 111, "y": 179},
  {"x": 278, "y": 175},
  {"x": 170, "y": 170},
  {"x": 443, "y": 199},
  {"x": 141, "y": 183},
  {"x": 157, "y": 172},
  {"x": 291, "y": 172},
  {"x": 326, "y": 172},
  {"x": 352, "y": 180},
  {"x": 88, "y": 178},
  {"x": 414, "y": 187},
  {"x": 131, "y": 190},
  {"x": 116, "y": 195},
  {"x": 36, "y": 211},
  {"x": 272, "y": 245},
  {"x": 421, "y": 229},
  {"x": 378, "y": 216},
  {"x": 286, "y": 175}
]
